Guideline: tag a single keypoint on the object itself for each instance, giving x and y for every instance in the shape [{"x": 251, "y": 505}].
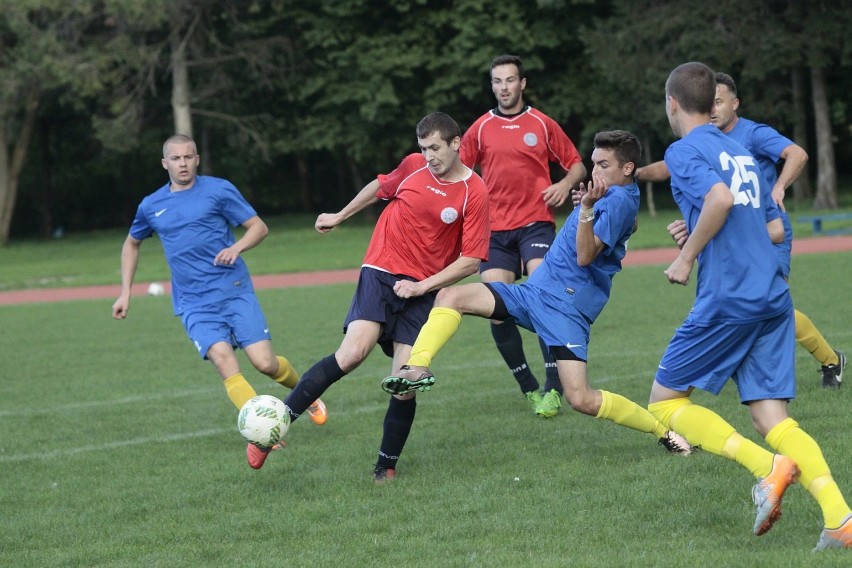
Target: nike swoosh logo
[
  {"x": 572, "y": 346},
  {"x": 266, "y": 330},
  {"x": 160, "y": 212}
]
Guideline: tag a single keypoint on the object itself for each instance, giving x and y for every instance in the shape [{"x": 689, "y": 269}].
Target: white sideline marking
[{"x": 113, "y": 445}]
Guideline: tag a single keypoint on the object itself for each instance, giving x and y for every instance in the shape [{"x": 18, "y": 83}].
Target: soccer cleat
[
  {"x": 383, "y": 475},
  {"x": 257, "y": 456},
  {"x": 550, "y": 404},
  {"x": 832, "y": 375},
  {"x": 534, "y": 398},
  {"x": 768, "y": 492},
  {"x": 675, "y": 443},
  {"x": 409, "y": 379},
  {"x": 318, "y": 412},
  {"x": 840, "y": 537}
]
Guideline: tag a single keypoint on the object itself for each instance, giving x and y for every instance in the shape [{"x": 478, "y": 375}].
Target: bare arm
[
  {"x": 366, "y": 197},
  {"x": 556, "y": 194},
  {"x": 655, "y": 172},
  {"x": 589, "y": 246},
  {"x": 459, "y": 269},
  {"x": 795, "y": 158},
  {"x": 717, "y": 205},
  {"x": 256, "y": 231},
  {"x": 129, "y": 262}
]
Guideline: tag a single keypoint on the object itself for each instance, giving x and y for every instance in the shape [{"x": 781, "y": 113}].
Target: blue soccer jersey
[
  {"x": 766, "y": 145},
  {"x": 588, "y": 287},
  {"x": 739, "y": 277},
  {"x": 194, "y": 225}
]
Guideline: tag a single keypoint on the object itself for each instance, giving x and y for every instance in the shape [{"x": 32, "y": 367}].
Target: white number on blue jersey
[{"x": 745, "y": 184}]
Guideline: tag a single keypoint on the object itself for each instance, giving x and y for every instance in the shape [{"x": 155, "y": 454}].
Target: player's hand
[
  {"x": 120, "y": 308},
  {"x": 227, "y": 257},
  {"x": 677, "y": 229},
  {"x": 595, "y": 189},
  {"x": 408, "y": 289},
  {"x": 577, "y": 194},
  {"x": 327, "y": 221},
  {"x": 778, "y": 193},
  {"x": 554, "y": 195},
  {"x": 679, "y": 271}
]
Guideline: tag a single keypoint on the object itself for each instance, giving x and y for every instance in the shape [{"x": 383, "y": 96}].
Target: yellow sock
[
  {"x": 627, "y": 413},
  {"x": 811, "y": 339},
  {"x": 287, "y": 375},
  {"x": 435, "y": 333},
  {"x": 788, "y": 439},
  {"x": 238, "y": 389},
  {"x": 710, "y": 432}
]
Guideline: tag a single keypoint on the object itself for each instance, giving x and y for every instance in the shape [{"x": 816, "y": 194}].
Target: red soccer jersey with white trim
[
  {"x": 428, "y": 222},
  {"x": 514, "y": 153}
]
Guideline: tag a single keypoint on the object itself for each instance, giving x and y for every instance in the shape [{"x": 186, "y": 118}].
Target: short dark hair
[
  {"x": 693, "y": 85},
  {"x": 625, "y": 145},
  {"x": 509, "y": 60},
  {"x": 443, "y": 124},
  {"x": 728, "y": 81}
]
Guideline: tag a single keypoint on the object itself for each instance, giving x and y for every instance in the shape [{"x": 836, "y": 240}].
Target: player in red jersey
[
  {"x": 514, "y": 145},
  {"x": 433, "y": 233}
]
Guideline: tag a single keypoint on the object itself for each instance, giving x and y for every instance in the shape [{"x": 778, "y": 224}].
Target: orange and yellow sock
[
  {"x": 239, "y": 390},
  {"x": 287, "y": 375},
  {"x": 435, "y": 333},
  {"x": 809, "y": 337},
  {"x": 710, "y": 432},
  {"x": 790, "y": 440},
  {"x": 627, "y": 413}
]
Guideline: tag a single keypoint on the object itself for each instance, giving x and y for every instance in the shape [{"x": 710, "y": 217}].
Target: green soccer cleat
[
  {"x": 550, "y": 404},
  {"x": 409, "y": 379},
  {"x": 534, "y": 398}
]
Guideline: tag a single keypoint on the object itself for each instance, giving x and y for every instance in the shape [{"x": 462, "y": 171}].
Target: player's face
[
  {"x": 181, "y": 161},
  {"x": 605, "y": 166},
  {"x": 508, "y": 88},
  {"x": 440, "y": 156},
  {"x": 725, "y": 107}
]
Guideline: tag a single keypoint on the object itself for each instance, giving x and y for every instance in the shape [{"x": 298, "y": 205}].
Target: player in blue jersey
[
  {"x": 562, "y": 298},
  {"x": 741, "y": 324},
  {"x": 212, "y": 291},
  {"x": 768, "y": 147}
]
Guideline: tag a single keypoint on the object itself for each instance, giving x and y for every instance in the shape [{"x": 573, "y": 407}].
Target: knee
[
  {"x": 583, "y": 402},
  {"x": 348, "y": 358},
  {"x": 446, "y": 298},
  {"x": 268, "y": 367}
]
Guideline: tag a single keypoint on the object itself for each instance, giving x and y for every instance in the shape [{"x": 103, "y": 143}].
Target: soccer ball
[
  {"x": 155, "y": 289},
  {"x": 263, "y": 420}
]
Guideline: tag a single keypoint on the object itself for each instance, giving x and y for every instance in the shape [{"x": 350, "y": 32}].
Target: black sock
[
  {"x": 313, "y": 383},
  {"x": 552, "y": 381},
  {"x": 398, "y": 421},
  {"x": 507, "y": 337}
]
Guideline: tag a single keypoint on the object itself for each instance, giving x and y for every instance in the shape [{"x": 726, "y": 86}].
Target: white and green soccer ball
[{"x": 263, "y": 420}]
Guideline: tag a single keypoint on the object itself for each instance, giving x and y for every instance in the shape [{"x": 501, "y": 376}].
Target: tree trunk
[
  {"x": 826, "y": 192},
  {"x": 305, "y": 197},
  {"x": 180, "y": 86},
  {"x": 802, "y": 189},
  {"x": 11, "y": 165}
]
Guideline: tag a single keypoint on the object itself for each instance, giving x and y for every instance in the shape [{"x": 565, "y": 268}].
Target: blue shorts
[
  {"x": 557, "y": 322},
  {"x": 758, "y": 356},
  {"x": 238, "y": 321},
  {"x": 512, "y": 250},
  {"x": 375, "y": 300}
]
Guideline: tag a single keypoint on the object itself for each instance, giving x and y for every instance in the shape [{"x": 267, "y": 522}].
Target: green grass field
[{"x": 120, "y": 448}]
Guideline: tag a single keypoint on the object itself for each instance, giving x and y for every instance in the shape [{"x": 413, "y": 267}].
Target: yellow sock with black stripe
[
  {"x": 790, "y": 440},
  {"x": 239, "y": 390},
  {"x": 809, "y": 337},
  {"x": 707, "y": 430},
  {"x": 287, "y": 375},
  {"x": 627, "y": 413},
  {"x": 435, "y": 333}
]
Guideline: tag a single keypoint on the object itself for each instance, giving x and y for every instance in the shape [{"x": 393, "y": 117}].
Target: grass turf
[{"x": 120, "y": 449}]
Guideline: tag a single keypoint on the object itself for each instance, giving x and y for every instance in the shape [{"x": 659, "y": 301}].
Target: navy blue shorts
[
  {"x": 512, "y": 250},
  {"x": 401, "y": 318}
]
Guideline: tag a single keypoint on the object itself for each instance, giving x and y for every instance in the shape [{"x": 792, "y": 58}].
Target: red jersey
[
  {"x": 428, "y": 222},
  {"x": 514, "y": 153}
]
